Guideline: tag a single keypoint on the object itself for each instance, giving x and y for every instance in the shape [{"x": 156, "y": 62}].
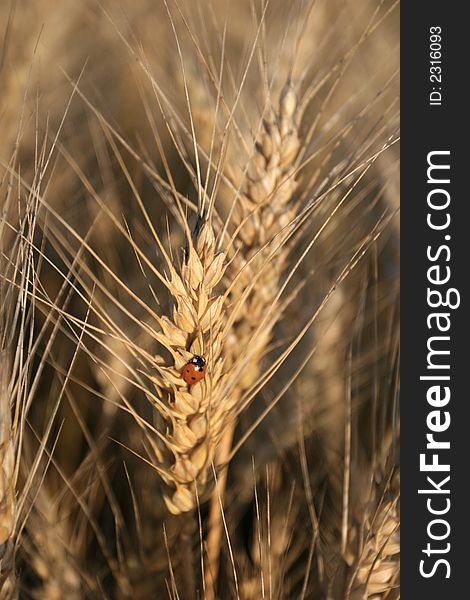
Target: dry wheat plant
[{"x": 199, "y": 300}]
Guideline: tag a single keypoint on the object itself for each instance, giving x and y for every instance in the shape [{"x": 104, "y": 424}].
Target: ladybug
[{"x": 194, "y": 370}]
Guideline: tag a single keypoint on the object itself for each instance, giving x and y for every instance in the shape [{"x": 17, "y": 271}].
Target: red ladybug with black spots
[{"x": 194, "y": 370}]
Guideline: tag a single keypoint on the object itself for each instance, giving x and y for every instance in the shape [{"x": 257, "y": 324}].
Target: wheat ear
[
  {"x": 265, "y": 213},
  {"x": 274, "y": 546},
  {"x": 374, "y": 546},
  {"x": 48, "y": 551},
  {"x": 194, "y": 415}
]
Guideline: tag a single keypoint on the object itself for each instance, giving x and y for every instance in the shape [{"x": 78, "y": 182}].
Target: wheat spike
[
  {"x": 374, "y": 548},
  {"x": 271, "y": 174},
  {"x": 194, "y": 414},
  {"x": 267, "y": 208},
  {"x": 273, "y": 547},
  {"x": 50, "y": 546}
]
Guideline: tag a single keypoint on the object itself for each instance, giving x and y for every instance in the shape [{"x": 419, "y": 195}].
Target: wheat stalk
[{"x": 265, "y": 210}]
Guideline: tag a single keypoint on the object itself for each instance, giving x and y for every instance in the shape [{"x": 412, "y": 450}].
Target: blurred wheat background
[{"x": 217, "y": 179}]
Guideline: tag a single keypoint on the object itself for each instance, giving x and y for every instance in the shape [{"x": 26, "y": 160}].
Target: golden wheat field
[{"x": 199, "y": 300}]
